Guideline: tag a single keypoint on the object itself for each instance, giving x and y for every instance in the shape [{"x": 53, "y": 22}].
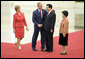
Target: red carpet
[{"x": 75, "y": 49}]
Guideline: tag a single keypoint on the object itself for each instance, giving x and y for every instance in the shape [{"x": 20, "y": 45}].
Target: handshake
[{"x": 40, "y": 25}]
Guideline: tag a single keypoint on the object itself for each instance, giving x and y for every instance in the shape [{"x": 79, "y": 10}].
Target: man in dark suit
[
  {"x": 38, "y": 19},
  {"x": 49, "y": 27}
]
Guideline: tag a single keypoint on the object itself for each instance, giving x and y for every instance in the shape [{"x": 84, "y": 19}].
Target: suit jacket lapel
[
  {"x": 38, "y": 13},
  {"x": 49, "y": 13}
]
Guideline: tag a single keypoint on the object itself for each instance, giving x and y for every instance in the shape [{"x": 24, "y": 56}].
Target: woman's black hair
[{"x": 65, "y": 13}]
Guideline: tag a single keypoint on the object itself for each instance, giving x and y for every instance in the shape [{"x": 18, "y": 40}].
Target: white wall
[{"x": 7, "y": 11}]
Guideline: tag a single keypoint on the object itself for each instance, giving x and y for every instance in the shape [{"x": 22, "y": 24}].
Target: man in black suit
[{"x": 49, "y": 27}]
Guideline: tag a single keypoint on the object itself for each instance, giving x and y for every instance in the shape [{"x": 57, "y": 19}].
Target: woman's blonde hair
[{"x": 17, "y": 7}]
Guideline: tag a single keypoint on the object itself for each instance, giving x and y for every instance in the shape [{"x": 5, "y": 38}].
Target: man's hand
[
  {"x": 51, "y": 31},
  {"x": 40, "y": 25}
]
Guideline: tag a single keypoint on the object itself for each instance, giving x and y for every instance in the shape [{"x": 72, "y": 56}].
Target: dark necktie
[
  {"x": 40, "y": 13},
  {"x": 47, "y": 15}
]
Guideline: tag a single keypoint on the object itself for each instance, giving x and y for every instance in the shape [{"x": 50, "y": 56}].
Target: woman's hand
[
  {"x": 64, "y": 35},
  {"x": 13, "y": 30},
  {"x": 27, "y": 28}
]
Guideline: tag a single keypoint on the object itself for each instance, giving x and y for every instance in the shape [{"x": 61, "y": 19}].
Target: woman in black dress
[{"x": 63, "y": 33}]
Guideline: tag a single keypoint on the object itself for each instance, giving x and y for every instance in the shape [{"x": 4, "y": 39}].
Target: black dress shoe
[
  {"x": 46, "y": 50},
  {"x": 50, "y": 51},
  {"x": 42, "y": 50},
  {"x": 34, "y": 49}
]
